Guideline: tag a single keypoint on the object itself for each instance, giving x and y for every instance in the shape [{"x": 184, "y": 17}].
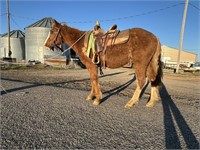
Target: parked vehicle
[{"x": 193, "y": 67}]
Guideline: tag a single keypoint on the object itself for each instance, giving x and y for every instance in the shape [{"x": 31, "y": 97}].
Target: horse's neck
[{"x": 70, "y": 36}]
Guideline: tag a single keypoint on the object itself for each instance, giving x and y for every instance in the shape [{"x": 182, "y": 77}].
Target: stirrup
[{"x": 94, "y": 60}]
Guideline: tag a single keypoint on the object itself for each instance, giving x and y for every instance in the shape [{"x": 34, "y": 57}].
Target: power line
[
  {"x": 3, "y": 14},
  {"x": 105, "y": 20},
  {"x": 27, "y": 18},
  {"x": 194, "y": 6},
  {"x": 133, "y": 16},
  {"x": 113, "y": 19},
  {"x": 16, "y": 23}
]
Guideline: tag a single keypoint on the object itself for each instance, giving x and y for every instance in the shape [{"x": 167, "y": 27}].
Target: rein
[
  {"x": 63, "y": 51},
  {"x": 54, "y": 42}
]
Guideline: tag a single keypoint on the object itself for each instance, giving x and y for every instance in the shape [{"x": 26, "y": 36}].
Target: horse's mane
[{"x": 72, "y": 29}]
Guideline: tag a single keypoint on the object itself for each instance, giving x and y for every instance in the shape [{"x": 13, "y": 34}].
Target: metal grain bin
[
  {"x": 36, "y": 35},
  {"x": 17, "y": 44}
]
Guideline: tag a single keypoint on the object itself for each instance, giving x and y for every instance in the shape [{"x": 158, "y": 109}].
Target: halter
[
  {"x": 57, "y": 47},
  {"x": 54, "y": 42}
]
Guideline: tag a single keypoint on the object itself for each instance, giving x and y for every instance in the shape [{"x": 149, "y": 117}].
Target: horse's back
[
  {"x": 142, "y": 44},
  {"x": 139, "y": 48}
]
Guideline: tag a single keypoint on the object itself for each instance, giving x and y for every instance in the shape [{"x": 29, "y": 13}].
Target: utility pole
[
  {"x": 8, "y": 17},
  {"x": 181, "y": 35}
]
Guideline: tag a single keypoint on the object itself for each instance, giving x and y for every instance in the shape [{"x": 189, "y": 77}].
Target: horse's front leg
[
  {"x": 92, "y": 94},
  {"x": 98, "y": 93},
  {"x": 95, "y": 91}
]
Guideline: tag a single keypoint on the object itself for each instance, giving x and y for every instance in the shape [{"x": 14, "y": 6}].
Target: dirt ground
[
  {"x": 184, "y": 88},
  {"x": 46, "y": 108}
]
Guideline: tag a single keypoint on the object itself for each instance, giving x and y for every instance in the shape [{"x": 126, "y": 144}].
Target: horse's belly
[
  {"x": 116, "y": 59},
  {"x": 115, "y": 65}
]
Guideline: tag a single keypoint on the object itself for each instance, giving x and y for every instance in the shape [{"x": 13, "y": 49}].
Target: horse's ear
[{"x": 56, "y": 23}]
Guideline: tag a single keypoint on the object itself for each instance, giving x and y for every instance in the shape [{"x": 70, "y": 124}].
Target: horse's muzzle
[{"x": 50, "y": 46}]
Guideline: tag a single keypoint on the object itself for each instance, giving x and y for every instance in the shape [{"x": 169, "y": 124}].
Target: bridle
[
  {"x": 58, "y": 48},
  {"x": 54, "y": 42}
]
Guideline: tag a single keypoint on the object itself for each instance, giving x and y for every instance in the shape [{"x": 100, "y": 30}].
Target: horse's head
[{"x": 54, "y": 38}]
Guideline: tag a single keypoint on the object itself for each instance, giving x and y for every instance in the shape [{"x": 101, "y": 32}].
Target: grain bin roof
[
  {"x": 45, "y": 22},
  {"x": 15, "y": 34}
]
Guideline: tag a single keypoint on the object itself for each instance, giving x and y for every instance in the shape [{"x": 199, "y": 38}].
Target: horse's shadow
[
  {"x": 36, "y": 84},
  {"x": 32, "y": 85},
  {"x": 172, "y": 114},
  {"x": 117, "y": 89},
  {"x": 170, "y": 111}
]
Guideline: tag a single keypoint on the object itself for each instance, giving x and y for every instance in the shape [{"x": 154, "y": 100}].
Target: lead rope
[
  {"x": 3, "y": 89},
  {"x": 71, "y": 45}
]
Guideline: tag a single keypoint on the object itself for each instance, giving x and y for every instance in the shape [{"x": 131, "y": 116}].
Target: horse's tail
[{"x": 154, "y": 70}]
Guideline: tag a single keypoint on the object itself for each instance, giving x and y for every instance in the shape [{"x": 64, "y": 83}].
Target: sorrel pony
[{"x": 143, "y": 48}]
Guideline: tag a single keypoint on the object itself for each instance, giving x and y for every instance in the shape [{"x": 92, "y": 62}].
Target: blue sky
[{"x": 163, "y": 18}]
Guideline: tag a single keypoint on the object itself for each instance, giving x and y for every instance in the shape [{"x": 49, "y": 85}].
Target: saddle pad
[
  {"x": 86, "y": 39},
  {"x": 122, "y": 37}
]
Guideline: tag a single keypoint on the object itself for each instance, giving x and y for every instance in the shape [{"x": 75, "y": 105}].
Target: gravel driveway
[{"x": 47, "y": 109}]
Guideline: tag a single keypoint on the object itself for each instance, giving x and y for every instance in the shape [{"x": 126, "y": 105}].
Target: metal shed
[
  {"x": 17, "y": 44},
  {"x": 169, "y": 57},
  {"x": 36, "y": 35}
]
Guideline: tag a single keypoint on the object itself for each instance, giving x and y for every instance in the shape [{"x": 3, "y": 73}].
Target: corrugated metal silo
[
  {"x": 17, "y": 44},
  {"x": 36, "y": 34}
]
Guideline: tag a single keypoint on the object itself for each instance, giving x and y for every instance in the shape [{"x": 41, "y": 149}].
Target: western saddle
[{"x": 102, "y": 40}]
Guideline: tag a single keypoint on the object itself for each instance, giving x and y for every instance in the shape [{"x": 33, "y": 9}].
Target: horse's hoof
[
  {"x": 96, "y": 102},
  {"x": 130, "y": 104},
  {"x": 89, "y": 98},
  {"x": 150, "y": 104}
]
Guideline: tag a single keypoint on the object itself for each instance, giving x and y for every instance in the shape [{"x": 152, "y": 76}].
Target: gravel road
[{"x": 47, "y": 109}]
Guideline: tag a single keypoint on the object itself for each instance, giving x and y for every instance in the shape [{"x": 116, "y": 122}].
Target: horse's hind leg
[
  {"x": 154, "y": 86},
  {"x": 134, "y": 100},
  {"x": 154, "y": 96},
  {"x": 154, "y": 74},
  {"x": 141, "y": 80}
]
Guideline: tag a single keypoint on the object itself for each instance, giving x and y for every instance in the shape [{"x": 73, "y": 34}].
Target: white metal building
[
  {"x": 36, "y": 34},
  {"x": 17, "y": 45}
]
